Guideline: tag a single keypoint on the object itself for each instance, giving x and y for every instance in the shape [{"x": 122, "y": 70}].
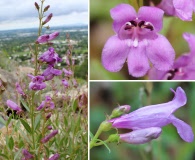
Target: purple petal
[
  {"x": 161, "y": 53},
  {"x": 183, "y": 129},
  {"x": 153, "y": 115},
  {"x": 183, "y": 9},
  {"x": 190, "y": 38},
  {"x": 141, "y": 136},
  {"x": 167, "y": 6},
  {"x": 121, "y": 14},
  {"x": 147, "y": 14},
  {"x": 137, "y": 61},
  {"x": 53, "y": 36},
  {"x": 155, "y": 74},
  {"x": 114, "y": 54},
  {"x": 13, "y": 105}
]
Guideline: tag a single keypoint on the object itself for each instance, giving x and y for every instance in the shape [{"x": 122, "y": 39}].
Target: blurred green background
[
  {"x": 105, "y": 96},
  {"x": 101, "y": 30}
]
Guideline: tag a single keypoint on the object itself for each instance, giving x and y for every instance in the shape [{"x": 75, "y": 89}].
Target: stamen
[
  {"x": 134, "y": 23},
  {"x": 147, "y": 25},
  {"x": 171, "y": 74}
]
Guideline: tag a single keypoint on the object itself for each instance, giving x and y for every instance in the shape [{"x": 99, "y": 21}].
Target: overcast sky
[{"x": 15, "y": 14}]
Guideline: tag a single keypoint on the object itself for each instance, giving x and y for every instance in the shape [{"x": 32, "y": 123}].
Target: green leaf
[
  {"x": 11, "y": 143},
  {"x": 17, "y": 154},
  {"x": 91, "y": 135},
  {"x": 9, "y": 120},
  {"x": 37, "y": 121},
  {"x": 25, "y": 105},
  {"x": 75, "y": 105},
  {"x": 2, "y": 120},
  {"x": 3, "y": 155},
  {"x": 26, "y": 126}
]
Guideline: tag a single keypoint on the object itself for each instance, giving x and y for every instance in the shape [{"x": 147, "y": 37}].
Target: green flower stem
[
  {"x": 134, "y": 3},
  {"x": 141, "y": 3}
]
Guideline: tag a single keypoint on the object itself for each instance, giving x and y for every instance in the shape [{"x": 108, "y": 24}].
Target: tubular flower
[
  {"x": 183, "y": 67},
  {"x": 47, "y": 37},
  {"x": 27, "y": 155},
  {"x": 37, "y": 82},
  {"x": 48, "y": 18},
  {"x": 13, "y": 106},
  {"x": 50, "y": 57},
  {"x": 179, "y": 8},
  {"x": 65, "y": 83},
  {"x": 68, "y": 73},
  {"x": 49, "y": 136},
  {"x": 137, "y": 41},
  {"x": 50, "y": 72},
  {"x": 157, "y": 116},
  {"x": 19, "y": 89},
  {"x": 141, "y": 136},
  {"x": 46, "y": 103}
]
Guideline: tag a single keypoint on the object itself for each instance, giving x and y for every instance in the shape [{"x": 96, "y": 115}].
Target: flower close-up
[
  {"x": 157, "y": 116},
  {"x": 183, "y": 67},
  {"x": 137, "y": 41},
  {"x": 37, "y": 82}
]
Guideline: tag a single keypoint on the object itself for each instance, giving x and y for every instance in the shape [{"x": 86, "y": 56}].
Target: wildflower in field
[
  {"x": 47, "y": 37},
  {"x": 141, "y": 136},
  {"x": 75, "y": 84},
  {"x": 184, "y": 66},
  {"x": 50, "y": 72},
  {"x": 156, "y": 116},
  {"x": 13, "y": 106},
  {"x": 19, "y": 89},
  {"x": 37, "y": 82},
  {"x": 27, "y": 155},
  {"x": 49, "y": 136},
  {"x": 55, "y": 157},
  {"x": 137, "y": 40},
  {"x": 65, "y": 83},
  {"x": 68, "y": 73},
  {"x": 50, "y": 57},
  {"x": 47, "y": 19},
  {"x": 179, "y": 8}
]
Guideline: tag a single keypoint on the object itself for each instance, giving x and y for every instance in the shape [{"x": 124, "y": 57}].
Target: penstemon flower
[
  {"x": 50, "y": 72},
  {"x": 155, "y": 116},
  {"x": 37, "y": 82},
  {"x": 13, "y": 106},
  {"x": 184, "y": 66},
  {"x": 137, "y": 40},
  {"x": 47, "y": 37},
  {"x": 179, "y": 8},
  {"x": 49, "y": 136},
  {"x": 27, "y": 155},
  {"x": 19, "y": 89}
]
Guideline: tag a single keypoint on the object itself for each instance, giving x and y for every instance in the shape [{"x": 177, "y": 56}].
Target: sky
[{"x": 16, "y": 14}]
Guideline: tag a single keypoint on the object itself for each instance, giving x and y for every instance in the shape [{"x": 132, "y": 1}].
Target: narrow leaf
[{"x": 26, "y": 126}]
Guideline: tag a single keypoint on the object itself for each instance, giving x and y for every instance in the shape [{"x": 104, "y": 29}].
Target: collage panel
[
  {"x": 142, "y": 120},
  {"x": 142, "y": 40},
  {"x": 44, "y": 80}
]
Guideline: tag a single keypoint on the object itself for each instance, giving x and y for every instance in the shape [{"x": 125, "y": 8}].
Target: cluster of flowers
[
  {"x": 137, "y": 40},
  {"x": 146, "y": 122}
]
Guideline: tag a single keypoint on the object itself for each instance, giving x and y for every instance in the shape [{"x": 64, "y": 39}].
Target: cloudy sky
[{"x": 15, "y": 14}]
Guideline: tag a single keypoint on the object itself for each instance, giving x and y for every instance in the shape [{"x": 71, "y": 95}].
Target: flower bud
[
  {"x": 46, "y": 8},
  {"x": 120, "y": 111},
  {"x": 13, "y": 106},
  {"x": 26, "y": 154},
  {"x": 141, "y": 136},
  {"x": 114, "y": 138},
  {"x": 37, "y": 6},
  {"x": 49, "y": 136},
  {"x": 105, "y": 126},
  {"x": 47, "y": 19}
]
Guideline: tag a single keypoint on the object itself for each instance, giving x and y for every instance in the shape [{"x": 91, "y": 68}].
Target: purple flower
[
  {"x": 47, "y": 37},
  {"x": 49, "y": 136},
  {"x": 26, "y": 154},
  {"x": 67, "y": 73},
  {"x": 46, "y": 103},
  {"x": 65, "y": 83},
  {"x": 75, "y": 84},
  {"x": 55, "y": 157},
  {"x": 47, "y": 19},
  {"x": 179, "y": 8},
  {"x": 13, "y": 106},
  {"x": 183, "y": 67},
  {"x": 37, "y": 82},
  {"x": 50, "y": 57},
  {"x": 141, "y": 136},
  {"x": 50, "y": 72},
  {"x": 19, "y": 89},
  {"x": 157, "y": 116},
  {"x": 136, "y": 41},
  {"x": 49, "y": 127}
]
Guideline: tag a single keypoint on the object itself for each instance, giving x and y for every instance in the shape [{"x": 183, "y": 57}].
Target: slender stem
[
  {"x": 141, "y": 3},
  {"x": 134, "y": 3}
]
